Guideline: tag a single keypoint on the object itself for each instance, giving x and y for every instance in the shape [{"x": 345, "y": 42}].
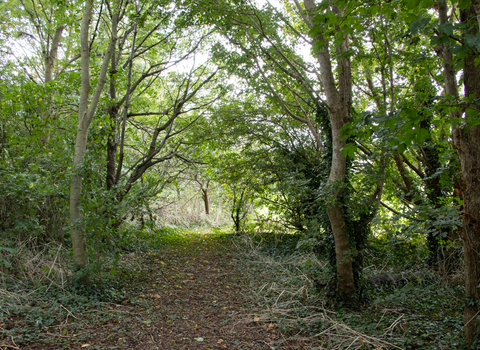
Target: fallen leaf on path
[
  {"x": 256, "y": 318},
  {"x": 157, "y": 296},
  {"x": 220, "y": 341},
  {"x": 86, "y": 345},
  {"x": 198, "y": 339}
]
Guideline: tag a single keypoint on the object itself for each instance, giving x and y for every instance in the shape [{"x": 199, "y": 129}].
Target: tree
[
  {"x": 86, "y": 112},
  {"x": 339, "y": 105},
  {"x": 467, "y": 140}
]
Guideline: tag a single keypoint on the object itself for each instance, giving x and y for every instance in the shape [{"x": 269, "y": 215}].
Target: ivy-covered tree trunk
[{"x": 467, "y": 142}]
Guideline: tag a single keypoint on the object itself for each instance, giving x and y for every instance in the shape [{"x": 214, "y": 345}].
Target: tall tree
[
  {"x": 86, "y": 112},
  {"x": 338, "y": 95},
  {"x": 467, "y": 139}
]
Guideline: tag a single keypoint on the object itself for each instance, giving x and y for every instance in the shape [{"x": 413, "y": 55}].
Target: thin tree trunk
[
  {"x": 206, "y": 201},
  {"x": 126, "y": 107},
  {"x": 113, "y": 114},
  {"x": 204, "y": 189},
  {"x": 85, "y": 114},
  {"x": 50, "y": 57}
]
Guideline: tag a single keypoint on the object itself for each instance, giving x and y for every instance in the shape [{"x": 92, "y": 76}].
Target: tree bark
[
  {"x": 206, "y": 201},
  {"x": 467, "y": 143},
  {"x": 50, "y": 57},
  {"x": 339, "y": 102},
  {"x": 204, "y": 188},
  {"x": 469, "y": 153},
  {"x": 85, "y": 116},
  {"x": 113, "y": 114}
]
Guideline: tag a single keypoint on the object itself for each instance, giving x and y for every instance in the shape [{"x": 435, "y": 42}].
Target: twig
[
  {"x": 393, "y": 325},
  {"x": 69, "y": 312},
  {"x": 9, "y": 346}
]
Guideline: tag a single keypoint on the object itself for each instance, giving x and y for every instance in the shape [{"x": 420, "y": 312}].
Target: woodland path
[{"x": 194, "y": 297}]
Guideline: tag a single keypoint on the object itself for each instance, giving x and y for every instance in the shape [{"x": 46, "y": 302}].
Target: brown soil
[{"x": 194, "y": 297}]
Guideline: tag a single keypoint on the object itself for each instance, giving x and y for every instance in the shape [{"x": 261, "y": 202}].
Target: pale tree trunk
[
  {"x": 85, "y": 116},
  {"x": 339, "y": 102},
  {"x": 52, "y": 54},
  {"x": 50, "y": 57}
]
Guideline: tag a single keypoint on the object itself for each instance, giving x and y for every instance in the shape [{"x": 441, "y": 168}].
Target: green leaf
[
  {"x": 422, "y": 135},
  {"x": 402, "y": 147},
  {"x": 411, "y": 4},
  {"x": 457, "y": 48},
  {"x": 420, "y": 24},
  {"x": 349, "y": 150},
  {"x": 113, "y": 272},
  {"x": 410, "y": 113},
  {"x": 428, "y": 4},
  {"x": 409, "y": 139},
  {"x": 315, "y": 31},
  {"x": 318, "y": 45},
  {"x": 390, "y": 123},
  {"x": 347, "y": 130},
  {"x": 473, "y": 40},
  {"x": 463, "y": 4},
  {"x": 446, "y": 28}
]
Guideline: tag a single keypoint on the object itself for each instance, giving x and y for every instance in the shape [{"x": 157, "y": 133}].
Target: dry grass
[
  {"x": 288, "y": 298},
  {"x": 35, "y": 263}
]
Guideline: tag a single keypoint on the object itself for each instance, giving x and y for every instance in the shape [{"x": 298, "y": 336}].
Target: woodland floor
[
  {"x": 191, "y": 295},
  {"x": 197, "y": 290}
]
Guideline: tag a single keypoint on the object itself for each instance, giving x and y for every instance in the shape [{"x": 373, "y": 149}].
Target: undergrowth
[
  {"x": 40, "y": 296},
  {"x": 414, "y": 309}
]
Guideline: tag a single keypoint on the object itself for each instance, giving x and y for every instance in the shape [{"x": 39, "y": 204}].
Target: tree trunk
[
  {"x": 206, "y": 200},
  {"x": 468, "y": 148},
  {"x": 339, "y": 102},
  {"x": 85, "y": 115},
  {"x": 50, "y": 57},
  {"x": 113, "y": 114},
  {"x": 204, "y": 190},
  {"x": 112, "y": 147},
  {"x": 346, "y": 283}
]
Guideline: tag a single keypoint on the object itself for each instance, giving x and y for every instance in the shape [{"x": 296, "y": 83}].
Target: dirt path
[
  {"x": 193, "y": 298},
  {"x": 197, "y": 301}
]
